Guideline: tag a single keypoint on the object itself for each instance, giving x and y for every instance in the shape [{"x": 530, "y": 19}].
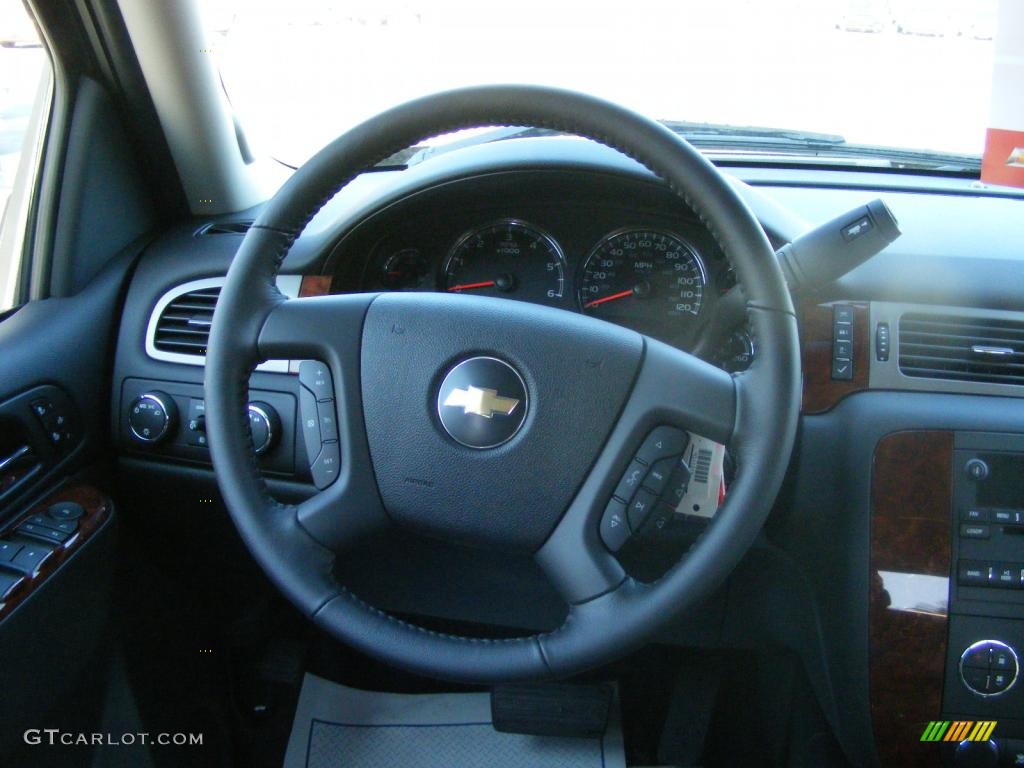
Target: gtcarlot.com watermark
[{"x": 54, "y": 737}]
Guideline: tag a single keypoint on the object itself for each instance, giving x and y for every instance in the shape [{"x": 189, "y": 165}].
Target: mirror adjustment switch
[
  {"x": 66, "y": 510},
  {"x": 614, "y": 527}
]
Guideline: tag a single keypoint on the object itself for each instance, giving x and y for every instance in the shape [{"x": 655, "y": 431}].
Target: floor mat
[{"x": 339, "y": 727}]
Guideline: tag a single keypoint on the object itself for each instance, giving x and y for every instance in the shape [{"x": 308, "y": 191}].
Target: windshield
[{"x": 907, "y": 74}]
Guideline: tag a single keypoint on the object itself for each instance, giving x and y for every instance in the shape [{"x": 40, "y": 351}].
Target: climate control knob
[
  {"x": 152, "y": 416},
  {"x": 989, "y": 668},
  {"x": 265, "y": 426}
]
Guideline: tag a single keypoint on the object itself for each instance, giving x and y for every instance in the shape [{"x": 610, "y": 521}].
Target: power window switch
[
  {"x": 8, "y": 581},
  {"x": 31, "y": 557},
  {"x": 8, "y": 549}
]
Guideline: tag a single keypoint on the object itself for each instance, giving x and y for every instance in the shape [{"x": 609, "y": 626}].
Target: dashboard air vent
[
  {"x": 225, "y": 228},
  {"x": 184, "y": 324},
  {"x": 962, "y": 348}
]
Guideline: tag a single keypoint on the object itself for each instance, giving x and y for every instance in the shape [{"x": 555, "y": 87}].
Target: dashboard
[{"x": 877, "y": 496}]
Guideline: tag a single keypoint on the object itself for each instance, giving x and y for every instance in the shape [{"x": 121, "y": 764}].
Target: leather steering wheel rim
[{"x": 755, "y": 413}]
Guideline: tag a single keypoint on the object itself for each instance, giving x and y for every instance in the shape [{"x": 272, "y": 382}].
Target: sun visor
[{"x": 1003, "y": 162}]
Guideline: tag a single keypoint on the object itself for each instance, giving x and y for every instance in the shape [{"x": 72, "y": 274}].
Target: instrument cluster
[{"x": 649, "y": 277}]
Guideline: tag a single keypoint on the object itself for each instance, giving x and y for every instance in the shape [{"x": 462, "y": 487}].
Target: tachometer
[
  {"x": 510, "y": 259},
  {"x": 644, "y": 279}
]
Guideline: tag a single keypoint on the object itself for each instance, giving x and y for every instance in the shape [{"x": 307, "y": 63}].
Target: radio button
[
  {"x": 971, "y": 531},
  {"x": 973, "y": 573}
]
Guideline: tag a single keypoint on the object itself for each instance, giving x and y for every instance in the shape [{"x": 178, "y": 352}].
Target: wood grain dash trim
[{"x": 911, "y": 498}]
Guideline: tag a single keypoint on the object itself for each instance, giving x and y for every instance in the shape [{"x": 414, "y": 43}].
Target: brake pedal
[{"x": 551, "y": 709}]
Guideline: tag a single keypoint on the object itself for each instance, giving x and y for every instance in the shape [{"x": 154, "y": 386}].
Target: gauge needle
[
  {"x": 613, "y": 297},
  {"x": 470, "y": 286}
]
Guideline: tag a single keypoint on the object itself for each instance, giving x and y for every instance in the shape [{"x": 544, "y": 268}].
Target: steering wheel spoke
[
  {"x": 672, "y": 389},
  {"x": 348, "y": 511}
]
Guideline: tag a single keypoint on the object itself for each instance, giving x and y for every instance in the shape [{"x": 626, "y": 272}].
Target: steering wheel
[{"x": 496, "y": 423}]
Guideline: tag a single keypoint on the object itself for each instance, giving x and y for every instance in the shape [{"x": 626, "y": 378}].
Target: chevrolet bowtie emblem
[{"x": 482, "y": 402}]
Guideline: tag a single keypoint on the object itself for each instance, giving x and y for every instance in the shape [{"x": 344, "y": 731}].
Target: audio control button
[
  {"x": 973, "y": 573},
  {"x": 976, "y": 469}
]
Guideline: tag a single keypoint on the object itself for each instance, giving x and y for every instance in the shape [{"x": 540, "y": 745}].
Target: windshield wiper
[
  {"x": 747, "y": 143},
  {"x": 774, "y": 142}
]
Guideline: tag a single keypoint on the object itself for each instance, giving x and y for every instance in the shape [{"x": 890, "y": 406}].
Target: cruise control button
[
  {"x": 316, "y": 377},
  {"x": 310, "y": 424},
  {"x": 630, "y": 481},
  {"x": 972, "y": 573},
  {"x": 328, "y": 421},
  {"x": 614, "y": 528},
  {"x": 662, "y": 443},
  {"x": 657, "y": 478},
  {"x": 325, "y": 468},
  {"x": 640, "y": 508}
]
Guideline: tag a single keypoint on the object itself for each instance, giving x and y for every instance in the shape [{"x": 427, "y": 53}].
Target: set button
[{"x": 319, "y": 423}]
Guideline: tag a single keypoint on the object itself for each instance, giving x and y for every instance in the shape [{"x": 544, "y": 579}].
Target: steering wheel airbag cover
[{"x": 577, "y": 375}]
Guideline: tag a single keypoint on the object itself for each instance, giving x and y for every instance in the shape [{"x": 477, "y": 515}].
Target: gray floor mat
[{"x": 339, "y": 727}]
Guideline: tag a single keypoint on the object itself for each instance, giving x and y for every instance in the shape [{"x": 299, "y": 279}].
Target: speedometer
[{"x": 647, "y": 280}]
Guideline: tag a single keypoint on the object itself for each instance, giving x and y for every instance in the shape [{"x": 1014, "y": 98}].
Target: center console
[
  {"x": 946, "y": 616},
  {"x": 986, "y": 627}
]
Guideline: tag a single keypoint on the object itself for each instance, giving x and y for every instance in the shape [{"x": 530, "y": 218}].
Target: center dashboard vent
[
  {"x": 961, "y": 348},
  {"x": 184, "y": 324}
]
